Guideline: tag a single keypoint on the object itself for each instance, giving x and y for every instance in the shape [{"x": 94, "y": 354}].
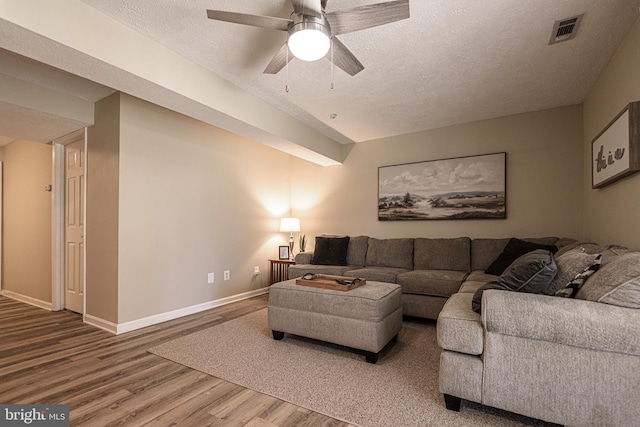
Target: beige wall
[
  {"x": 544, "y": 177},
  {"x": 611, "y": 213},
  {"x": 191, "y": 199},
  {"x": 26, "y": 248},
  {"x": 103, "y": 143}
]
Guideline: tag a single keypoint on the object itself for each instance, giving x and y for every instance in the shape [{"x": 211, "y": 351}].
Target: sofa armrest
[
  {"x": 565, "y": 321},
  {"x": 303, "y": 258}
]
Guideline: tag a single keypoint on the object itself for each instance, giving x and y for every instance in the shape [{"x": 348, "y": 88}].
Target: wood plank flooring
[{"x": 52, "y": 357}]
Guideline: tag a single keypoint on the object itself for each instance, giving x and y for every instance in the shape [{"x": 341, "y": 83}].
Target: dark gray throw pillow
[
  {"x": 476, "y": 302},
  {"x": 531, "y": 273},
  {"x": 330, "y": 251},
  {"x": 514, "y": 250}
]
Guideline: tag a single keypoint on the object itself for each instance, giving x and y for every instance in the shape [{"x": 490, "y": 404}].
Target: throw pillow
[
  {"x": 530, "y": 273},
  {"x": 330, "y": 251},
  {"x": 515, "y": 248},
  {"x": 476, "y": 302},
  {"x": 570, "y": 264},
  {"x": 571, "y": 289},
  {"x": 616, "y": 283}
]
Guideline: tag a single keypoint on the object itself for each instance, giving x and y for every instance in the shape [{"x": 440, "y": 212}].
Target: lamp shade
[
  {"x": 309, "y": 44},
  {"x": 309, "y": 37},
  {"x": 290, "y": 225}
]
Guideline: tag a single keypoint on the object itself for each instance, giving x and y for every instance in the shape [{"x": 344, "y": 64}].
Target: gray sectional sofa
[
  {"x": 428, "y": 270},
  {"x": 572, "y": 361}
]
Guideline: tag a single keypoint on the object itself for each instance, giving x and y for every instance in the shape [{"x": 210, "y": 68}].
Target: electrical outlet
[
  {"x": 227, "y": 275},
  {"x": 256, "y": 270},
  {"x": 210, "y": 278}
]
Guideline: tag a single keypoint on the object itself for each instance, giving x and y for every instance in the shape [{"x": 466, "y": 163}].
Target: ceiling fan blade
[
  {"x": 307, "y": 7},
  {"x": 363, "y": 17},
  {"x": 279, "y": 60},
  {"x": 343, "y": 58},
  {"x": 253, "y": 20}
]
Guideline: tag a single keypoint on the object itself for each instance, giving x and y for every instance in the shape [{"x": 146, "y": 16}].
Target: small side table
[{"x": 279, "y": 270}]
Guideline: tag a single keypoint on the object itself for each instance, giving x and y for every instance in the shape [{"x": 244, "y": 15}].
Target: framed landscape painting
[{"x": 458, "y": 188}]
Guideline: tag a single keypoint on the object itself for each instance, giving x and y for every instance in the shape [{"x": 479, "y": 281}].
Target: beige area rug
[{"x": 400, "y": 390}]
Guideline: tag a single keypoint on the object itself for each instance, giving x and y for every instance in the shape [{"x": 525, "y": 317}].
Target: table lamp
[{"x": 290, "y": 225}]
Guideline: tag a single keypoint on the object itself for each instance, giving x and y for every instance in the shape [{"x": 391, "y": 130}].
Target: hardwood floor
[{"x": 53, "y": 358}]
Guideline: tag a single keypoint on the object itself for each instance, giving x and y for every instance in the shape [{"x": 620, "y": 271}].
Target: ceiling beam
[{"x": 76, "y": 38}]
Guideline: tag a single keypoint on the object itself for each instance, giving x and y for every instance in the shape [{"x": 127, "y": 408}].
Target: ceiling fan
[{"x": 311, "y": 30}]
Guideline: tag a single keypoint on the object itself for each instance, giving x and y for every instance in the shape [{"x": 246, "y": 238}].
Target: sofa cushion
[
  {"x": 530, "y": 273},
  {"x": 481, "y": 276},
  {"x": 459, "y": 328},
  {"x": 569, "y": 265},
  {"x": 442, "y": 283},
  {"x": 616, "y": 283},
  {"x": 442, "y": 254},
  {"x": 515, "y": 249},
  {"x": 470, "y": 286},
  {"x": 396, "y": 253},
  {"x": 563, "y": 321},
  {"x": 608, "y": 252},
  {"x": 378, "y": 274},
  {"x": 357, "y": 252},
  {"x": 303, "y": 257},
  {"x": 330, "y": 251},
  {"x": 485, "y": 251}
]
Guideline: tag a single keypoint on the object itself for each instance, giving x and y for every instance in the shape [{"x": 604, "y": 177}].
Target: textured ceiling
[{"x": 453, "y": 61}]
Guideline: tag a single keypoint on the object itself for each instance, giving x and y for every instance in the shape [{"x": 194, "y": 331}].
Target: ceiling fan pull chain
[
  {"x": 286, "y": 86},
  {"x": 332, "y": 63}
]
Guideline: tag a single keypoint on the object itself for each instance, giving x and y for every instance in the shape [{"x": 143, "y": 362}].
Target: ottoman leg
[
  {"x": 371, "y": 357},
  {"x": 277, "y": 335}
]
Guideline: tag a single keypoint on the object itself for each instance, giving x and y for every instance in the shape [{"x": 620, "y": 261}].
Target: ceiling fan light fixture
[{"x": 309, "y": 41}]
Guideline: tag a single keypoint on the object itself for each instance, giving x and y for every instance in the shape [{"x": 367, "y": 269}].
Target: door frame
[
  {"x": 1, "y": 223},
  {"x": 58, "y": 223}
]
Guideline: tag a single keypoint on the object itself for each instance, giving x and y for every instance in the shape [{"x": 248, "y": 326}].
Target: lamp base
[{"x": 291, "y": 243}]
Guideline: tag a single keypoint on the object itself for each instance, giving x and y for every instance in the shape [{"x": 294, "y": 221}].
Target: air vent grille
[{"x": 565, "y": 29}]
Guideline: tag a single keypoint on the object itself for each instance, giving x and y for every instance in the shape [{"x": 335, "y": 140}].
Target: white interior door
[{"x": 74, "y": 226}]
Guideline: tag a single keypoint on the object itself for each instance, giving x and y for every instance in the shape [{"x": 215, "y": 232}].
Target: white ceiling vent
[{"x": 565, "y": 29}]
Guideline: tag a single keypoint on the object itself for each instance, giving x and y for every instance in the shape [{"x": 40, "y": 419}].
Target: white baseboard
[
  {"x": 133, "y": 325},
  {"x": 28, "y": 300},
  {"x": 100, "y": 323}
]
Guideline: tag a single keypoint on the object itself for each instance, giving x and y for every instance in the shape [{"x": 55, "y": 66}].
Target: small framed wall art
[
  {"x": 615, "y": 152},
  {"x": 283, "y": 252}
]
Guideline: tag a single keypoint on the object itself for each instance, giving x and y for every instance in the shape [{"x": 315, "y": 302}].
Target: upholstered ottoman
[{"x": 365, "y": 318}]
